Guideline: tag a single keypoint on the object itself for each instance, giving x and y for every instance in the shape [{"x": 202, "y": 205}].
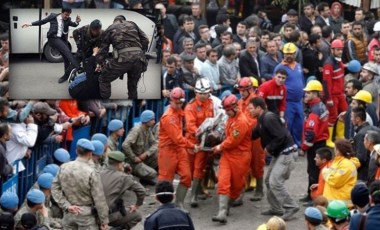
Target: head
[
  {"x": 188, "y": 24},
  {"x": 374, "y": 191},
  {"x": 292, "y": 17},
  {"x": 116, "y": 127},
  {"x": 272, "y": 47},
  {"x": 9, "y": 202},
  {"x": 308, "y": 9},
  {"x": 61, "y": 156},
  {"x": 188, "y": 45},
  {"x": 84, "y": 148},
  {"x": 95, "y": 28},
  {"x": 345, "y": 27},
  {"x": 316, "y": 29},
  {"x": 336, "y": 9},
  {"x": 369, "y": 70},
  {"x": 338, "y": 213},
  {"x": 327, "y": 32},
  {"x": 304, "y": 38},
  {"x": 204, "y": 32},
  {"x": 357, "y": 28},
  {"x": 135, "y": 4},
  {"x": 352, "y": 87},
  {"x": 237, "y": 48},
  {"x": 359, "y": 14},
  {"x": 116, "y": 159},
  {"x": 278, "y": 40},
  {"x": 4, "y": 108},
  {"x": 377, "y": 55},
  {"x": 171, "y": 65},
  {"x": 320, "y": 201},
  {"x": 241, "y": 28},
  {"x": 312, "y": 90},
  {"x": 195, "y": 10},
  {"x": 164, "y": 192},
  {"x": 251, "y": 46},
  {"x": 323, "y": 9},
  {"x": 65, "y": 13},
  {"x": 226, "y": 38},
  {"x": 45, "y": 181},
  {"x": 230, "y": 105},
  {"x": 315, "y": 41},
  {"x": 245, "y": 87},
  {"x": 360, "y": 195},
  {"x": 212, "y": 55},
  {"x": 337, "y": 49},
  {"x": 229, "y": 52},
  {"x": 361, "y": 99},
  {"x": 5, "y": 132},
  {"x": 4, "y": 40},
  {"x": 257, "y": 107},
  {"x": 288, "y": 29},
  {"x": 35, "y": 199},
  {"x": 264, "y": 38},
  {"x": 202, "y": 89},
  {"x": 223, "y": 19},
  {"x": 177, "y": 98},
  {"x": 161, "y": 7},
  {"x": 343, "y": 148},
  {"x": 371, "y": 139},
  {"x": 289, "y": 50},
  {"x": 29, "y": 221},
  {"x": 276, "y": 222},
  {"x": 280, "y": 77},
  {"x": 322, "y": 156},
  {"x": 200, "y": 51},
  {"x": 119, "y": 19},
  {"x": 165, "y": 55},
  {"x": 313, "y": 217},
  {"x": 98, "y": 150},
  {"x": 52, "y": 169}
]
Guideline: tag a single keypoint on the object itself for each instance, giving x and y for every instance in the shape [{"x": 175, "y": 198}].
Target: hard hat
[
  {"x": 202, "y": 86},
  {"x": 100, "y": 137},
  {"x": 98, "y": 147},
  {"x": 86, "y": 144},
  {"x": 62, "y": 155},
  {"x": 376, "y": 27},
  {"x": 115, "y": 124},
  {"x": 337, "y": 209},
  {"x": 45, "y": 180},
  {"x": 262, "y": 227},
  {"x": 313, "y": 85},
  {"x": 354, "y": 66},
  {"x": 117, "y": 156},
  {"x": 377, "y": 149},
  {"x": 51, "y": 168},
  {"x": 9, "y": 200},
  {"x": 363, "y": 95},
  {"x": 255, "y": 82},
  {"x": 177, "y": 95},
  {"x": 337, "y": 43},
  {"x": 229, "y": 102},
  {"x": 371, "y": 67},
  {"x": 244, "y": 84},
  {"x": 289, "y": 48},
  {"x": 36, "y": 196},
  {"x": 146, "y": 116}
]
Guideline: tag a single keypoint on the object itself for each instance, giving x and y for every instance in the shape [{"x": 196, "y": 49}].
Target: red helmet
[
  {"x": 177, "y": 95},
  {"x": 337, "y": 43},
  {"x": 244, "y": 83},
  {"x": 229, "y": 102}
]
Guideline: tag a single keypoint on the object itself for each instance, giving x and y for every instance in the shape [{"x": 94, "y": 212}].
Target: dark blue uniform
[{"x": 168, "y": 217}]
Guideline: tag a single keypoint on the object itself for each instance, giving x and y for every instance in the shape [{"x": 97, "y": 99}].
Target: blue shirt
[{"x": 295, "y": 82}]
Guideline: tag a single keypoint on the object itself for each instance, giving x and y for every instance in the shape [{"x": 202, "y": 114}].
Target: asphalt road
[
  {"x": 246, "y": 216},
  {"x": 31, "y": 78}
]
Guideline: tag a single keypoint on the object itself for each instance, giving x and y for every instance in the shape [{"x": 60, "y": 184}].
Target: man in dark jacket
[
  {"x": 57, "y": 38},
  {"x": 5, "y": 168},
  {"x": 249, "y": 64}
]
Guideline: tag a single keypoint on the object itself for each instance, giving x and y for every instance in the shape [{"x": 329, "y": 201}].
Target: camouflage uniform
[
  {"x": 85, "y": 42},
  {"x": 116, "y": 184},
  {"x": 77, "y": 183},
  {"x": 113, "y": 144},
  {"x": 122, "y": 35},
  {"x": 139, "y": 141},
  {"x": 26, "y": 209}
]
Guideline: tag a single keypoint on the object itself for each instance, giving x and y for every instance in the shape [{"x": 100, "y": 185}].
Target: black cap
[
  {"x": 96, "y": 24},
  {"x": 28, "y": 220},
  {"x": 7, "y": 221},
  {"x": 292, "y": 12}
]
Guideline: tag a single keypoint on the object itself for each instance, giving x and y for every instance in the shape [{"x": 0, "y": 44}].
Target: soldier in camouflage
[
  {"x": 116, "y": 128},
  {"x": 9, "y": 202},
  {"x": 129, "y": 44},
  {"x": 78, "y": 190},
  {"x": 116, "y": 183},
  {"x": 97, "y": 154},
  {"x": 140, "y": 149}
]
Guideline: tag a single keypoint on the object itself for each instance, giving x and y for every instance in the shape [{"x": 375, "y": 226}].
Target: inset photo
[{"x": 84, "y": 54}]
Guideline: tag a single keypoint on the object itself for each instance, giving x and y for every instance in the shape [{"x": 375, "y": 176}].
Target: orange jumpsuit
[
  {"x": 172, "y": 155},
  {"x": 321, "y": 182},
  {"x": 70, "y": 108},
  {"x": 195, "y": 114},
  {"x": 236, "y": 156},
  {"x": 258, "y": 155}
]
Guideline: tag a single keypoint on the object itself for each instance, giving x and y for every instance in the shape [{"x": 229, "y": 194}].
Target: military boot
[
  {"x": 258, "y": 195},
  {"x": 180, "y": 197},
  {"x": 223, "y": 206},
  {"x": 194, "y": 193}
]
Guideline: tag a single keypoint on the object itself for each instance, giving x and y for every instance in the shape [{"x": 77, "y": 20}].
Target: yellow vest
[{"x": 360, "y": 46}]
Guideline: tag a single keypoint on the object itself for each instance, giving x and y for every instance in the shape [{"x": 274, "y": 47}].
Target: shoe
[
  {"x": 63, "y": 79},
  {"x": 222, "y": 213},
  {"x": 194, "y": 193},
  {"x": 270, "y": 212},
  {"x": 72, "y": 75},
  {"x": 289, "y": 214},
  {"x": 180, "y": 197},
  {"x": 305, "y": 199}
]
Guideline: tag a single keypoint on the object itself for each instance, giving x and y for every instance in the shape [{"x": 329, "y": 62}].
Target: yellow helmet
[
  {"x": 313, "y": 85},
  {"x": 289, "y": 48},
  {"x": 363, "y": 95},
  {"x": 254, "y": 81}
]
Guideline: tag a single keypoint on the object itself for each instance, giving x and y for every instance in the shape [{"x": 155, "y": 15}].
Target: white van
[{"x": 27, "y": 40}]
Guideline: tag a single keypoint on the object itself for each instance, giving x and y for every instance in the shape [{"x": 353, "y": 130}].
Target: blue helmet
[
  {"x": 354, "y": 66},
  {"x": 99, "y": 147}
]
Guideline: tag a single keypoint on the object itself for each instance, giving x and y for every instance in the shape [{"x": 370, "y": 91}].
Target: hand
[
  {"x": 133, "y": 208},
  {"x": 28, "y": 153},
  {"x": 85, "y": 120},
  {"x": 166, "y": 93},
  {"x": 26, "y": 25},
  {"x": 95, "y": 51},
  {"x": 44, "y": 211},
  {"x": 74, "y": 209},
  {"x": 197, "y": 148},
  {"x": 78, "y": 19},
  {"x": 98, "y": 68},
  {"x": 217, "y": 149},
  {"x": 137, "y": 160},
  {"x": 58, "y": 138},
  {"x": 143, "y": 156},
  {"x": 266, "y": 152},
  {"x": 103, "y": 227},
  {"x": 341, "y": 116},
  {"x": 114, "y": 105},
  {"x": 330, "y": 103},
  {"x": 103, "y": 112},
  {"x": 29, "y": 120},
  {"x": 66, "y": 125},
  {"x": 305, "y": 70},
  {"x": 313, "y": 186},
  {"x": 91, "y": 114}
]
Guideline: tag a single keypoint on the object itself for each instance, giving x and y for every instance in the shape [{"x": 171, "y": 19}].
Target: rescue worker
[
  {"x": 247, "y": 88},
  {"x": 276, "y": 141},
  {"x": 172, "y": 145},
  {"x": 78, "y": 190},
  {"x": 235, "y": 157},
  {"x": 129, "y": 44},
  {"x": 196, "y": 112},
  {"x": 116, "y": 185},
  {"x": 9, "y": 202},
  {"x": 116, "y": 128},
  {"x": 315, "y": 129},
  {"x": 338, "y": 214},
  {"x": 86, "y": 39},
  {"x": 274, "y": 93},
  {"x": 97, "y": 154},
  {"x": 294, "y": 83},
  {"x": 333, "y": 82},
  {"x": 140, "y": 149}
]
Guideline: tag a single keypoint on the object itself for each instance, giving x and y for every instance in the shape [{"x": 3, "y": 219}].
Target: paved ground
[
  {"x": 243, "y": 217},
  {"x": 31, "y": 78}
]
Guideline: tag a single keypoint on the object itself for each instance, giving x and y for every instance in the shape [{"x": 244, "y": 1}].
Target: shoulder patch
[{"x": 235, "y": 133}]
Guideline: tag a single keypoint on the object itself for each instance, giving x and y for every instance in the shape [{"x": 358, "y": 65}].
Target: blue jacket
[
  {"x": 372, "y": 222},
  {"x": 295, "y": 82},
  {"x": 267, "y": 65},
  {"x": 168, "y": 217}
]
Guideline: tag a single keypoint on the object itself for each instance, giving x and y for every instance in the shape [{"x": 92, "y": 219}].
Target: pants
[
  {"x": 233, "y": 170},
  {"x": 85, "y": 221},
  {"x": 171, "y": 161},
  {"x": 197, "y": 164},
  {"x": 125, "y": 222},
  {"x": 258, "y": 160},
  {"x": 312, "y": 168},
  {"x": 68, "y": 58},
  {"x": 294, "y": 118},
  {"x": 340, "y": 105},
  {"x": 146, "y": 170},
  {"x": 114, "y": 70},
  {"x": 278, "y": 172}
]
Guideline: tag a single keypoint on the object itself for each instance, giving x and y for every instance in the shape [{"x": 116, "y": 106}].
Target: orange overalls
[
  {"x": 70, "y": 108},
  {"x": 258, "y": 155},
  {"x": 321, "y": 182},
  {"x": 195, "y": 114},
  {"x": 172, "y": 155},
  {"x": 236, "y": 156}
]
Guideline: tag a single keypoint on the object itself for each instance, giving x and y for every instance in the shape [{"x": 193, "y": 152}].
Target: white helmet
[
  {"x": 202, "y": 86},
  {"x": 376, "y": 27}
]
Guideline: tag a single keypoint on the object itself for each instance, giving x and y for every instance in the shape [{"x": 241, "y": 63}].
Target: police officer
[
  {"x": 140, "y": 149},
  {"x": 116, "y": 131},
  {"x": 129, "y": 44},
  {"x": 116, "y": 183},
  {"x": 9, "y": 202},
  {"x": 78, "y": 191},
  {"x": 87, "y": 38}
]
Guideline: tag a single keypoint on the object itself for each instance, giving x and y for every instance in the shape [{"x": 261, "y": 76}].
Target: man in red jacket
[{"x": 315, "y": 129}]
